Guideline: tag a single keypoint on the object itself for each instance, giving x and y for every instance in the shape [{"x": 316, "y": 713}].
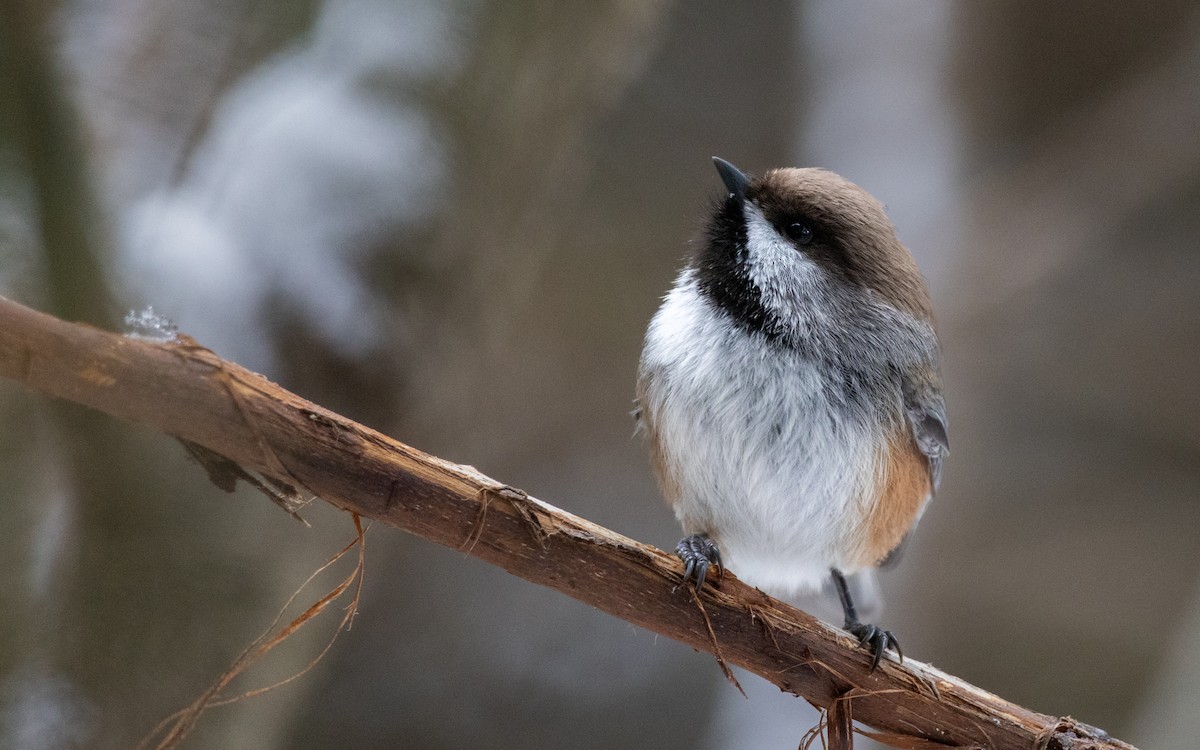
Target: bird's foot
[
  {"x": 875, "y": 639},
  {"x": 699, "y": 553}
]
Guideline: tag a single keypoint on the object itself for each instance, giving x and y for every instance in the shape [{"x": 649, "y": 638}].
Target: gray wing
[
  {"x": 926, "y": 411},
  {"x": 927, "y": 416}
]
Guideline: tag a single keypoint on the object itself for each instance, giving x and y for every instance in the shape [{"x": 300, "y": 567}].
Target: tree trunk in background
[{"x": 91, "y": 504}]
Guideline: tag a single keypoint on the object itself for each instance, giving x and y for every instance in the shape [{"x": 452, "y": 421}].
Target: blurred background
[{"x": 452, "y": 221}]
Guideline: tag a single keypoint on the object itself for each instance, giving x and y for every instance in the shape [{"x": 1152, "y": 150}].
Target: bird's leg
[
  {"x": 875, "y": 638},
  {"x": 698, "y": 553}
]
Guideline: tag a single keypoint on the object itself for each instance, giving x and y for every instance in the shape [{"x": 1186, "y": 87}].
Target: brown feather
[
  {"x": 870, "y": 254},
  {"x": 905, "y": 484}
]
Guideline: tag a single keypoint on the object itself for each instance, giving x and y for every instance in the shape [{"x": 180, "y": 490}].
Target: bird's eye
[{"x": 799, "y": 232}]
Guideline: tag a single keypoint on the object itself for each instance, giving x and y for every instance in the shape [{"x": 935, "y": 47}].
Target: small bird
[{"x": 790, "y": 390}]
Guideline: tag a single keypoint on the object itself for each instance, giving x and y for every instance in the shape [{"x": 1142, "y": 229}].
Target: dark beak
[{"x": 733, "y": 178}]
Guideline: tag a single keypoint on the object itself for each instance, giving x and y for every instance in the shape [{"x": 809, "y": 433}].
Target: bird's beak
[{"x": 733, "y": 178}]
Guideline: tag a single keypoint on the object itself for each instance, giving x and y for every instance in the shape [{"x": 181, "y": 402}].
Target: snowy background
[{"x": 453, "y": 220}]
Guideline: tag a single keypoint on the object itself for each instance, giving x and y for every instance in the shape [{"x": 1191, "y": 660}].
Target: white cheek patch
[
  {"x": 762, "y": 236},
  {"x": 792, "y": 285}
]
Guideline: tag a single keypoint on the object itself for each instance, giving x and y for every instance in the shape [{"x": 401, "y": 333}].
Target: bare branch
[{"x": 187, "y": 391}]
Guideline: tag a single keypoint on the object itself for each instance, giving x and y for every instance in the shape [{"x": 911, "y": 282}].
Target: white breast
[{"x": 758, "y": 455}]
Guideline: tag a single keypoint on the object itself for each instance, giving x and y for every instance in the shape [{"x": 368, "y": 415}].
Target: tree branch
[{"x": 185, "y": 390}]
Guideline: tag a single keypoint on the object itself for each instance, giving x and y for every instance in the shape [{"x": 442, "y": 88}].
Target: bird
[{"x": 790, "y": 390}]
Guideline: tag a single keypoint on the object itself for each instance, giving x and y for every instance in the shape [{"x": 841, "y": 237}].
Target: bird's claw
[
  {"x": 699, "y": 554},
  {"x": 875, "y": 639}
]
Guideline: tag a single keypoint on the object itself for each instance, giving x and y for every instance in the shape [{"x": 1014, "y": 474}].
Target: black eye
[{"x": 799, "y": 232}]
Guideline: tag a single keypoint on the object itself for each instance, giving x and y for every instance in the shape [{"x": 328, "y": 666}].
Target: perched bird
[{"x": 790, "y": 389}]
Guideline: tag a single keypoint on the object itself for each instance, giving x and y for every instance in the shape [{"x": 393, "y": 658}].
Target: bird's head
[{"x": 793, "y": 251}]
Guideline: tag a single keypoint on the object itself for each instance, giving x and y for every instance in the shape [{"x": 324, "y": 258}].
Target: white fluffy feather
[{"x": 758, "y": 456}]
